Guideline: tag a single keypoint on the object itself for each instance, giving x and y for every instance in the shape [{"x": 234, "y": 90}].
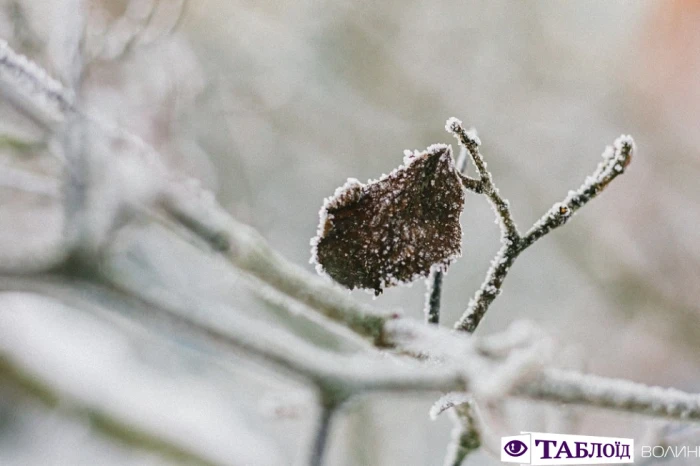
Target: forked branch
[{"x": 615, "y": 160}]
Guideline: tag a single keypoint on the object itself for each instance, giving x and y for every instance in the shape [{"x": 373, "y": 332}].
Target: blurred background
[{"x": 272, "y": 105}]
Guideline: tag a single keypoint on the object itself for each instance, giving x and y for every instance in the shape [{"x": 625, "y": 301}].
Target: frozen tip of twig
[
  {"x": 625, "y": 147},
  {"x": 453, "y": 125},
  {"x": 622, "y": 148},
  {"x": 624, "y": 140}
]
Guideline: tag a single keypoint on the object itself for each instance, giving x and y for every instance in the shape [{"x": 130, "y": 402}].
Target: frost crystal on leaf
[{"x": 392, "y": 230}]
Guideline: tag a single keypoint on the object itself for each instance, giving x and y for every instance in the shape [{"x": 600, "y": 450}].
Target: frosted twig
[
  {"x": 432, "y": 296},
  {"x": 615, "y": 161},
  {"x": 616, "y": 158},
  {"x": 591, "y": 390},
  {"x": 470, "y": 140},
  {"x": 31, "y": 89},
  {"x": 510, "y": 237},
  {"x": 466, "y": 437},
  {"x": 556, "y": 386},
  {"x": 489, "y": 289}
]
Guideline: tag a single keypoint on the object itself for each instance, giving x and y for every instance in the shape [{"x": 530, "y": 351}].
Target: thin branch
[
  {"x": 616, "y": 159},
  {"x": 432, "y": 296},
  {"x": 470, "y": 141},
  {"x": 556, "y": 386},
  {"x": 472, "y": 184},
  {"x": 322, "y": 433},
  {"x": 591, "y": 390},
  {"x": 30, "y": 89},
  {"x": 489, "y": 290},
  {"x": 466, "y": 437}
]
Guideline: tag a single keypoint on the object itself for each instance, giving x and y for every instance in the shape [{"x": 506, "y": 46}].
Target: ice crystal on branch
[{"x": 392, "y": 230}]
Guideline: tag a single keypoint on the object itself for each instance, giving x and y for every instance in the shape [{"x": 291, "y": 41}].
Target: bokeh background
[{"x": 273, "y": 104}]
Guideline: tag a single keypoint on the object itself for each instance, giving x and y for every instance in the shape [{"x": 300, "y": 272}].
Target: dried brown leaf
[{"x": 393, "y": 230}]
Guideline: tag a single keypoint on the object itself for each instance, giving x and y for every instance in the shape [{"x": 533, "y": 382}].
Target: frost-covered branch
[
  {"x": 466, "y": 437},
  {"x": 550, "y": 385},
  {"x": 615, "y": 160},
  {"x": 31, "y": 89},
  {"x": 590, "y": 390},
  {"x": 432, "y": 296},
  {"x": 470, "y": 140},
  {"x": 463, "y": 367}
]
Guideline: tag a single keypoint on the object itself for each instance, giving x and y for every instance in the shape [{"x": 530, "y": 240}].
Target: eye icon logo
[{"x": 515, "y": 448}]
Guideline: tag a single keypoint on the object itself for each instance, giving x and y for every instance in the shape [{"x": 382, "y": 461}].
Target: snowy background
[{"x": 273, "y": 105}]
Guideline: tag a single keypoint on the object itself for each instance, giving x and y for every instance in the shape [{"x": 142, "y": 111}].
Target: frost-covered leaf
[{"x": 392, "y": 230}]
